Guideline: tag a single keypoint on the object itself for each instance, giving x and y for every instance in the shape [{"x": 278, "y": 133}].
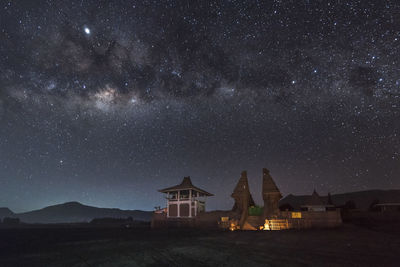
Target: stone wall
[
  {"x": 210, "y": 219},
  {"x": 313, "y": 219},
  {"x": 202, "y": 220},
  {"x": 160, "y": 220}
]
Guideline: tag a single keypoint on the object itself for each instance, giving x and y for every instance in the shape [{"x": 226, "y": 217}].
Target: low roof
[
  {"x": 315, "y": 200},
  {"x": 387, "y": 204},
  {"x": 185, "y": 185}
]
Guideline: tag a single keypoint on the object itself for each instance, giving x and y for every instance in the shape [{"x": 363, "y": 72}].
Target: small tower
[
  {"x": 241, "y": 194},
  {"x": 185, "y": 200},
  {"x": 271, "y": 195},
  {"x": 243, "y": 199}
]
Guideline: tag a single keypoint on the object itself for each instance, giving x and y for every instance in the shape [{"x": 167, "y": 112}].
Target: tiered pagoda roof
[
  {"x": 314, "y": 200},
  {"x": 186, "y": 184}
]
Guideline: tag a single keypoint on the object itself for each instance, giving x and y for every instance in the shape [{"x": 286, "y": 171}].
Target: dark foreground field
[{"x": 345, "y": 246}]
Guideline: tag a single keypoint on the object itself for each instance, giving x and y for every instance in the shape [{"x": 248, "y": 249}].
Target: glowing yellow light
[
  {"x": 266, "y": 225},
  {"x": 296, "y": 215},
  {"x": 234, "y": 225},
  {"x": 224, "y": 219},
  {"x": 276, "y": 224}
]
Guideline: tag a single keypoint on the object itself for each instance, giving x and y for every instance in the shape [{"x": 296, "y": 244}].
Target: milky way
[{"x": 105, "y": 102}]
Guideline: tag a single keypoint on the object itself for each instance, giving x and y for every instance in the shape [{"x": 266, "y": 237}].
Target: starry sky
[{"x": 105, "y": 102}]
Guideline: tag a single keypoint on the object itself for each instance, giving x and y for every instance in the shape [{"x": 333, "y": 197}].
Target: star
[
  {"x": 168, "y": 91},
  {"x": 87, "y": 30}
]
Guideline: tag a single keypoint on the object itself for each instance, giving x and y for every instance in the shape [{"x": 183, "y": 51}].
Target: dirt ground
[{"x": 345, "y": 246}]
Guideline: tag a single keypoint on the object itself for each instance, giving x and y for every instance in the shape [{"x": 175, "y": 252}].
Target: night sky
[{"x": 105, "y": 102}]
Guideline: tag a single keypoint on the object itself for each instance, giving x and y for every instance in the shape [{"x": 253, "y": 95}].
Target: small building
[
  {"x": 315, "y": 212},
  {"x": 315, "y": 203},
  {"x": 185, "y": 200},
  {"x": 186, "y": 208},
  {"x": 387, "y": 207}
]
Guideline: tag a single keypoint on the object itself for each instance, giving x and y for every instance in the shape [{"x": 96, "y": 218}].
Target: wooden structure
[
  {"x": 185, "y": 200},
  {"x": 275, "y": 224},
  {"x": 271, "y": 195},
  {"x": 315, "y": 213},
  {"x": 186, "y": 206},
  {"x": 243, "y": 199},
  {"x": 387, "y": 207},
  {"x": 312, "y": 219},
  {"x": 315, "y": 203}
]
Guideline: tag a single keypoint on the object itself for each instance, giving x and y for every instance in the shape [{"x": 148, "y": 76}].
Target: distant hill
[
  {"x": 72, "y": 212},
  {"x": 362, "y": 199},
  {"x": 6, "y": 212}
]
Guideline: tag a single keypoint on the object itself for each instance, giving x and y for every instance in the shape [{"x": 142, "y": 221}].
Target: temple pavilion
[
  {"x": 315, "y": 203},
  {"x": 185, "y": 200}
]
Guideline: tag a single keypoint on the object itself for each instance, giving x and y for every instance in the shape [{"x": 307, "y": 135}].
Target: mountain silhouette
[
  {"x": 362, "y": 199},
  {"x": 72, "y": 212},
  {"x": 5, "y": 212}
]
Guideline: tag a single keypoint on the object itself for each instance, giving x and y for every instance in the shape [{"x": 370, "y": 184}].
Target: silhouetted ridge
[
  {"x": 5, "y": 212},
  {"x": 362, "y": 199},
  {"x": 71, "y": 212}
]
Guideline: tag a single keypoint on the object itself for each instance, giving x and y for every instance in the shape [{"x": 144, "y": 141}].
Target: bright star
[{"x": 87, "y": 30}]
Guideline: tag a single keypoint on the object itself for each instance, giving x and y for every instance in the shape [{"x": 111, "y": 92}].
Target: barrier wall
[
  {"x": 209, "y": 219},
  {"x": 296, "y": 220},
  {"x": 312, "y": 219}
]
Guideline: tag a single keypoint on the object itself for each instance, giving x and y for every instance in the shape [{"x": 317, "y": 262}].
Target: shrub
[{"x": 255, "y": 211}]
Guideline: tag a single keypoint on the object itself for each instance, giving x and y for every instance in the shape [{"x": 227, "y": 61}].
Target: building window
[
  {"x": 184, "y": 194},
  {"x": 173, "y": 195}
]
